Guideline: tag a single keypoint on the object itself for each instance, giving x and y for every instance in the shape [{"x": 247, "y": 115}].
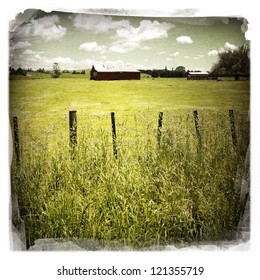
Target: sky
[{"x": 79, "y": 40}]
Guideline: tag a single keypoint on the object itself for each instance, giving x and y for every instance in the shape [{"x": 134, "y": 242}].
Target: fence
[{"x": 73, "y": 127}]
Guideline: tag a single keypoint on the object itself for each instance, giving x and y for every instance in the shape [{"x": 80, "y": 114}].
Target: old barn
[
  {"x": 111, "y": 72},
  {"x": 198, "y": 76}
]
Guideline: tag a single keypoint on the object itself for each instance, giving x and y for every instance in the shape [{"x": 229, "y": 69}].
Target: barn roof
[
  {"x": 114, "y": 68},
  {"x": 198, "y": 73}
]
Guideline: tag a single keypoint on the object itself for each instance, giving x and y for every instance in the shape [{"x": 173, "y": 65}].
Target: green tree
[
  {"x": 233, "y": 63},
  {"x": 155, "y": 73},
  {"x": 55, "y": 70},
  {"x": 180, "y": 71}
]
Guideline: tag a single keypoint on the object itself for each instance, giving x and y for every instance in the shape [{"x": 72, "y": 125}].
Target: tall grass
[{"x": 175, "y": 192}]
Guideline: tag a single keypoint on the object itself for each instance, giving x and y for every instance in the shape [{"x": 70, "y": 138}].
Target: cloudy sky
[{"x": 77, "y": 41}]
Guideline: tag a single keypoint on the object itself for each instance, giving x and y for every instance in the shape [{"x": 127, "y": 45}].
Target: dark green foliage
[
  {"x": 179, "y": 72},
  {"x": 55, "y": 70},
  {"x": 235, "y": 62}
]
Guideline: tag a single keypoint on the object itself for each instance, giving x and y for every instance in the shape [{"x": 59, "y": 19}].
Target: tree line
[
  {"x": 230, "y": 63},
  {"x": 179, "y": 72},
  {"x": 55, "y": 72}
]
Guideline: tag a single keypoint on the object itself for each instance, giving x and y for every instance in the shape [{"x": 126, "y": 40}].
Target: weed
[{"x": 149, "y": 195}]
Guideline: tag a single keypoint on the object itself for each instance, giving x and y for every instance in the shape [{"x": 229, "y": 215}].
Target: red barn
[{"x": 110, "y": 72}]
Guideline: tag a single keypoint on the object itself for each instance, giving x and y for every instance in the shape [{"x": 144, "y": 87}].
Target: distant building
[
  {"x": 110, "y": 72},
  {"x": 198, "y": 76}
]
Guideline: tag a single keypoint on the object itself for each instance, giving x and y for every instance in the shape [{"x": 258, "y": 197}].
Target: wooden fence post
[
  {"x": 113, "y": 122},
  {"x": 16, "y": 139},
  {"x": 197, "y": 126},
  {"x": 159, "y": 130},
  {"x": 232, "y": 127},
  {"x": 73, "y": 128}
]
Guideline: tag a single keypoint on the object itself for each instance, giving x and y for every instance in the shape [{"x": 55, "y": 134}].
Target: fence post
[
  {"x": 16, "y": 139},
  {"x": 113, "y": 122},
  {"x": 159, "y": 130},
  {"x": 232, "y": 127},
  {"x": 197, "y": 126},
  {"x": 73, "y": 128}
]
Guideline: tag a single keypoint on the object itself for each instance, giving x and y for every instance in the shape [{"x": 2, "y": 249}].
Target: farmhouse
[
  {"x": 198, "y": 76},
  {"x": 111, "y": 72}
]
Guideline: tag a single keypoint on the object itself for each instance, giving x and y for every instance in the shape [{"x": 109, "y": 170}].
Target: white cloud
[
  {"x": 227, "y": 47},
  {"x": 37, "y": 56},
  {"x": 28, "y": 59},
  {"x": 129, "y": 38},
  {"x": 29, "y": 52},
  {"x": 213, "y": 53},
  {"x": 46, "y": 28},
  {"x": 199, "y": 56},
  {"x": 161, "y": 52},
  {"x": 124, "y": 47},
  {"x": 146, "y": 31},
  {"x": 145, "y": 48},
  {"x": 21, "y": 45},
  {"x": 34, "y": 59},
  {"x": 63, "y": 60},
  {"x": 98, "y": 23},
  {"x": 174, "y": 54},
  {"x": 184, "y": 40},
  {"x": 230, "y": 47},
  {"x": 92, "y": 47}
]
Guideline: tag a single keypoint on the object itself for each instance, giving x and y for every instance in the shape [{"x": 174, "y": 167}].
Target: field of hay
[{"x": 180, "y": 191}]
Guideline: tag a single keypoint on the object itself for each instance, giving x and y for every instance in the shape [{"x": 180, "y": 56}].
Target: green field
[
  {"x": 150, "y": 195},
  {"x": 49, "y": 96}
]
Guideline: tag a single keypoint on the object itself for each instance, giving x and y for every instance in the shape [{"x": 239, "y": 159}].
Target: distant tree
[
  {"x": 180, "y": 71},
  {"x": 233, "y": 63},
  {"x": 164, "y": 73},
  {"x": 83, "y": 72},
  {"x": 55, "y": 70},
  {"x": 41, "y": 70},
  {"x": 12, "y": 71},
  {"x": 20, "y": 71},
  {"x": 147, "y": 71},
  {"x": 155, "y": 73}
]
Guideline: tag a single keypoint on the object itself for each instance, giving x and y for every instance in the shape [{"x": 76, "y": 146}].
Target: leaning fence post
[
  {"x": 73, "y": 128},
  {"x": 113, "y": 123},
  {"x": 232, "y": 127},
  {"x": 197, "y": 126},
  {"x": 159, "y": 130},
  {"x": 16, "y": 139}
]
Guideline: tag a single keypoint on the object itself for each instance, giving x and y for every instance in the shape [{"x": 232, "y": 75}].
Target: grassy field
[
  {"x": 178, "y": 192},
  {"x": 48, "y": 96}
]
